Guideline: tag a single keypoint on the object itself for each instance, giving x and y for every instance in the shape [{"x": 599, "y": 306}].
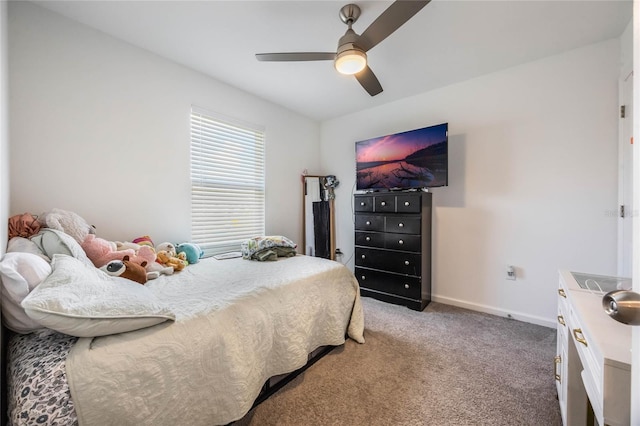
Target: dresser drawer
[
  {"x": 406, "y": 242},
  {"x": 364, "y": 203},
  {"x": 402, "y": 263},
  {"x": 365, "y": 222},
  {"x": 385, "y": 203},
  {"x": 408, "y": 203},
  {"x": 403, "y": 224},
  {"x": 409, "y": 287},
  {"x": 370, "y": 239}
]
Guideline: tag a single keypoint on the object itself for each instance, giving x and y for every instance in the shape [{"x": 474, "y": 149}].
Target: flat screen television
[{"x": 415, "y": 159}]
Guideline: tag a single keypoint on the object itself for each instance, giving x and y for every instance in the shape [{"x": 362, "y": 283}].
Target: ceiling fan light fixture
[{"x": 350, "y": 61}]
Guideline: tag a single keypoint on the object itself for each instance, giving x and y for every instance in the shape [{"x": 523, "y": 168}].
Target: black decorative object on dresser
[{"x": 393, "y": 247}]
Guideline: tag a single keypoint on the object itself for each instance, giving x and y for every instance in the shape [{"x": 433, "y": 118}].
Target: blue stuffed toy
[{"x": 193, "y": 252}]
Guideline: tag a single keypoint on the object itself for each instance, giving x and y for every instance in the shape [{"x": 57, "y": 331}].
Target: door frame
[
  {"x": 625, "y": 179},
  {"x": 635, "y": 345}
]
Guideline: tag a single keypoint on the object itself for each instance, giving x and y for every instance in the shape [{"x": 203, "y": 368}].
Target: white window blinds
[{"x": 227, "y": 182}]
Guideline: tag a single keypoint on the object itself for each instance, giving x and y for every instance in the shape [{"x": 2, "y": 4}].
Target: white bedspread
[{"x": 238, "y": 323}]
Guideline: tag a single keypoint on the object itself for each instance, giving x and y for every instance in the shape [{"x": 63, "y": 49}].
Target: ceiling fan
[{"x": 351, "y": 56}]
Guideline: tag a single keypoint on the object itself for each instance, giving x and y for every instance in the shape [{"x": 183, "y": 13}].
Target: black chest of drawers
[{"x": 393, "y": 247}]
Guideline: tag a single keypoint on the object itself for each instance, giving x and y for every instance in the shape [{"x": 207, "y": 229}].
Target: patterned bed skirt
[{"x": 37, "y": 391}]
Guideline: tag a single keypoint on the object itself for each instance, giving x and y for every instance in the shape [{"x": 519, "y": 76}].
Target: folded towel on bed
[
  {"x": 273, "y": 253},
  {"x": 268, "y": 248}
]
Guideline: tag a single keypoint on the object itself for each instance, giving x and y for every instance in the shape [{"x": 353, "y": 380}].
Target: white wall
[
  {"x": 101, "y": 128},
  {"x": 532, "y": 178}
]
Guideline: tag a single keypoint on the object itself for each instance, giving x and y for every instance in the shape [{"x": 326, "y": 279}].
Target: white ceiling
[{"x": 447, "y": 42}]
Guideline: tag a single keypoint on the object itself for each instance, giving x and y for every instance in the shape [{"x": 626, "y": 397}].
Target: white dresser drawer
[{"x": 590, "y": 356}]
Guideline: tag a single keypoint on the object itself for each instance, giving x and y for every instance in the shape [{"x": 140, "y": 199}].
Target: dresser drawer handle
[
  {"x": 562, "y": 293},
  {"x": 406, "y": 203},
  {"x": 561, "y": 319},
  {"x": 363, "y": 278},
  {"x": 556, "y": 360},
  {"x": 401, "y": 225},
  {"x": 384, "y": 203},
  {"x": 367, "y": 223},
  {"x": 367, "y": 238},
  {"x": 406, "y": 286},
  {"x": 363, "y": 256},
  {"x": 362, "y": 203},
  {"x": 580, "y": 338},
  {"x": 406, "y": 262},
  {"x": 400, "y": 242}
]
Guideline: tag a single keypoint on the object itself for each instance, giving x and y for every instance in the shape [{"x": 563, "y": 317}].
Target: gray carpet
[{"x": 442, "y": 366}]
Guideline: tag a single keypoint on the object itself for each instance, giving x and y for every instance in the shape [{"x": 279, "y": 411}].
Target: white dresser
[{"x": 593, "y": 360}]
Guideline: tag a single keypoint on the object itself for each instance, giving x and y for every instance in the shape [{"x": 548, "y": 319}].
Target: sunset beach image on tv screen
[{"x": 408, "y": 160}]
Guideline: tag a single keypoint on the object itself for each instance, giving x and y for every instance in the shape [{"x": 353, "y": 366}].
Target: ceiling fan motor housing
[
  {"x": 350, "y": 37},
  {"x": 349, "y": 14}
]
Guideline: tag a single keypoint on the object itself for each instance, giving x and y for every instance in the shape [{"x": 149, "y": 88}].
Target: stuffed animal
[
  {"x": 134, "y": 271},
  {"x": 127, "y": 269},
  {"x": 145, "y": 240},
  {"x": 68, "y": 222},
  {"x": 101, "y": 252},
  {"x": 193, "y": 252},
  {"x": 168, "y": 247},
  {"x": 165, "y": 258},
  {"x": 114, "y": 267},
  {"x": 183, "y": 257},
  {"x": 124, "y": 245},
  {"x": 157, "y": 269}
]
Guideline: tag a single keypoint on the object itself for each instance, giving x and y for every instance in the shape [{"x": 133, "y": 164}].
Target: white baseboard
[{"x": 551, "y": 323}]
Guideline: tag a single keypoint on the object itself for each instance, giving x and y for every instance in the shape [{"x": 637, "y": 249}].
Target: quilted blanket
[{"x": 237, "y": 324}]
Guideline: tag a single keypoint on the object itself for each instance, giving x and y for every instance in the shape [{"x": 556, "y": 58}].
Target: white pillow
[
  {"x": 20, "y": 273},
  {"x": 84, "y": 301}
]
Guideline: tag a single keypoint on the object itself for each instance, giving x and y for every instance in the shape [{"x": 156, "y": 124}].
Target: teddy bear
[
  {"x": 101, "y": 251},
  {"x": 165, "y": 258},
  {"x": 193, "y": 252},
  {"x": 125, "y": 268},
  {"x": 68, "y": 222}
]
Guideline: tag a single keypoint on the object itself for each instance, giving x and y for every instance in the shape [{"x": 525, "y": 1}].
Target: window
[{"x": 227, "y": 182}]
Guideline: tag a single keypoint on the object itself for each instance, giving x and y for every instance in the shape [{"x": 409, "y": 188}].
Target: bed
[{"x": 199, "y": 347}]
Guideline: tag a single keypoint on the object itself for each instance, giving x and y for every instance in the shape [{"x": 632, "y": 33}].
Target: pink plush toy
[{"x": 101, "y": 252}]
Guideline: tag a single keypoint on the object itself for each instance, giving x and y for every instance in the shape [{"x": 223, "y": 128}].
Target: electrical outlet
[{"x": 511, "y": 273}]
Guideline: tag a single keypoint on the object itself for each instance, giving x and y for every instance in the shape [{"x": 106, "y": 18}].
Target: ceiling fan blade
[
  {"x": 390, "y": 20},
  {"x": 296, "y": 56},
  {"x": 369, "y": 81}
]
